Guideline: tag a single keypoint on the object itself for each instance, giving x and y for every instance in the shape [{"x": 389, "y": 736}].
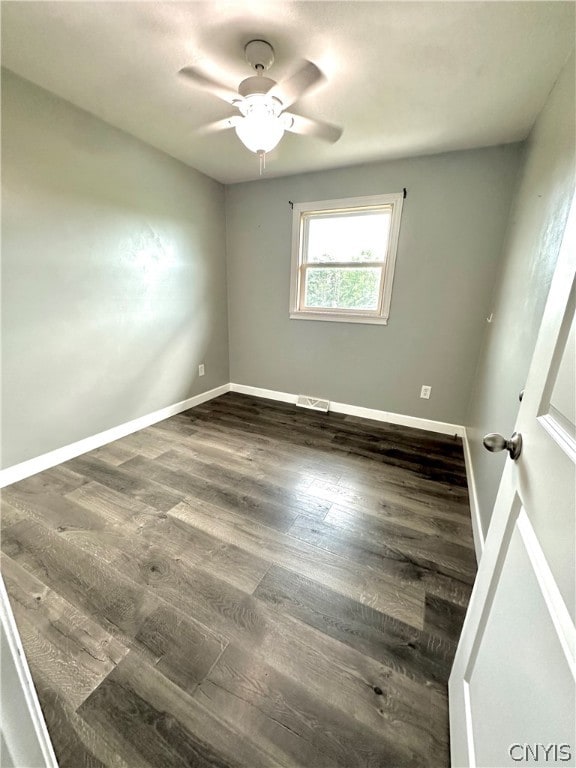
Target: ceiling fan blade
[
  {"x": 219, "y": 125},
  {"x": 294, "y": 87},
  {"x": 309, "y": 127},
  {"x": 198, "y": 77}
]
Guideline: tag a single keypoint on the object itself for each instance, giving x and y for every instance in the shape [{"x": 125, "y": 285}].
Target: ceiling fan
[{"x": 262, "y": 102}]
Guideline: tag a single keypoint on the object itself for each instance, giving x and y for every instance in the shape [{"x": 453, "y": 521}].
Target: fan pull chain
[{"x": 262, "y": 156}]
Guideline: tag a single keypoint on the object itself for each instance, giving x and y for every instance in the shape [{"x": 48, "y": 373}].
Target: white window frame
[{"x": 301, "y": 214}]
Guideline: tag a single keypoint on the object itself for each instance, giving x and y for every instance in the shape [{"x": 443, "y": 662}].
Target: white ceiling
[{"x": 403, "y": 78}]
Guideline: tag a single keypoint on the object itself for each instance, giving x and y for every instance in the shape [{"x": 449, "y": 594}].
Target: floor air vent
[{"x": 315, "y": 403}]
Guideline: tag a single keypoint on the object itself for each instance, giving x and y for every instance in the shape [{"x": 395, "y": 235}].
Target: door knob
[{"x": 495, "y": 442}]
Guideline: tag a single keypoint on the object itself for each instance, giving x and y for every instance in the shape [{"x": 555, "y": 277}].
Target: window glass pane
[
  {"x": 344, "y": 288},
  {"x": 348, "y": 237}
]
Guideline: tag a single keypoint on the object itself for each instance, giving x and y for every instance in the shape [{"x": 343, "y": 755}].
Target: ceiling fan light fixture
[
  {"x": 261, "y": 128},
  {"x": 260, "y": 134},
  {"x": 262, "y": 103}
]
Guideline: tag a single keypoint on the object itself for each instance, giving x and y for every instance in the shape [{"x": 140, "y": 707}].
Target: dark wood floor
[{"x": 245, "y": 584}]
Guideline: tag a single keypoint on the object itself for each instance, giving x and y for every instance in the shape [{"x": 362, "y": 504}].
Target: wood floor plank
[
  {"x": 59, "y": 479},
  {"x": 113, "y": 454},
  {"x": 297, "y": 727},
  {"x": 266, "y": 453},
  {"x": 412, "y": 652},
  {"x": 140, "y": 488},
  {"x": 145, "y": 443},
  {"x": 399, "y": 507},
  {"x": 443, "y": 618},
  {"x": 203, "y": 445},
  {"x": 439, "y": 730},
  {"x": 428, "y": 551},
  {"x": 272, "y": 446},
  {"x": 171, "y": 535},
  {"x": 333, "y": 671},
  {"x": 82, "y": 579},
  {"x": 441, "y": 446},
  {"x": 177, "y": 425},
  {"x": 435, "y": 467},
  {"x": 399, "y": 486},
  {"x": 65, "y": 646},
  {"x": 9, "y": 515},
  {"x": 258, "y": 410},
  {"x": 56, "y": 511},
  {"x": 326, "y": 462},
  {"x": 415, "y": 440},
  {"x": 138, "y": 708},
  {"x": 236, "y": 501},
  {"x": 75, "y": 743},
  {"x": 439, "y": 468},
  {"x": 392, "y": 556},
  {"x": 245, "y": 584},
  {"x": 361, "y": 583},
  {"x": 269, "y": 487},
  {"x": 116, "y": 507},
  {"x": 122, "y": 607},
  {"x": 183, "y": 653}
]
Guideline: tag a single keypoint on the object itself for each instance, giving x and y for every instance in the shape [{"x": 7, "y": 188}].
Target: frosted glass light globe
[
  {"x": 260, "y": 134},
  {"x": 260, "y": 129}
]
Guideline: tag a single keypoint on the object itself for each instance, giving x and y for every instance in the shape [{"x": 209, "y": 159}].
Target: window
[{"x": 343, "y": 255}]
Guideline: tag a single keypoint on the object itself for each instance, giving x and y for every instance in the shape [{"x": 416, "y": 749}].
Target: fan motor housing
[{"x": 255, "y": 84}]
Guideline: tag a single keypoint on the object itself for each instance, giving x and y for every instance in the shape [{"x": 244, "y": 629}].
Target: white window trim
[{"x": 379, "y": 317}]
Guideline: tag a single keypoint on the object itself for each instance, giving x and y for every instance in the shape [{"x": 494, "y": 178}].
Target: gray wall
[
  {"x": 113, "y": 275},
  {"x": 453, "y": 224},
  {"x": 539, "y": 213}
]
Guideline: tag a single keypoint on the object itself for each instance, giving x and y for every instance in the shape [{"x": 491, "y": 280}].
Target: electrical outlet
[
  {"x": 425, "y": 392},
  {"x": 201, "y": 369}
]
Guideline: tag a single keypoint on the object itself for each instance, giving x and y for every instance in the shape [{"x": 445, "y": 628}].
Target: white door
[
  {"x": 512, "y": 687},
  {"x": 24, "y": 739}
]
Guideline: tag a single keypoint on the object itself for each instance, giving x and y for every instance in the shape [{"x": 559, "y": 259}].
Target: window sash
[
  {"x": 338, "y": 213},
  {"x": 303, "y": 307}
]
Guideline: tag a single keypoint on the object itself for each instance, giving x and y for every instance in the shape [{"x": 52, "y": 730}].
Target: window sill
[{"x": 335, "y": 318}]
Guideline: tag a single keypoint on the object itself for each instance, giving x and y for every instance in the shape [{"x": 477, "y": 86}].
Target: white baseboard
[
  {"x": 45, "y": 461},
  {"x": 429, "y": 425},
  {"x": 269, "y": 394},
  {"x": 477, "y": 530}
]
